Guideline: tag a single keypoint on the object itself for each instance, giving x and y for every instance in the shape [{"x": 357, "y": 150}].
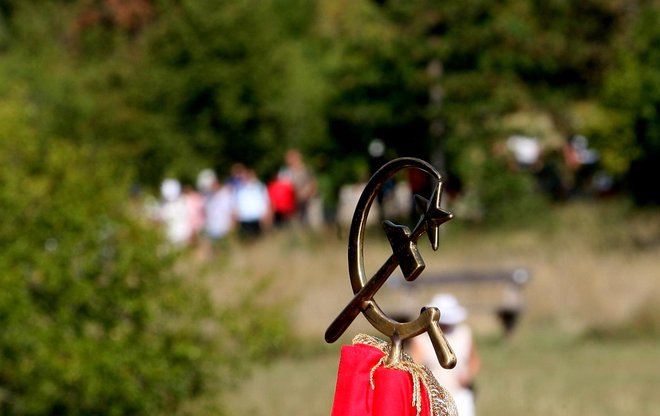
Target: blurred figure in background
[
  {"x": 526, "y": 151},
  {"x": 205, "y": 181},
  {"x": 218, "y": 212},
  {"x": 420, "y": 184},
  {"x": 251, "y": 204},
  {"x": 581, "y": 162},
  {"x": 458, "y": 381},
  {"x": 377, "y": 159},
  {"x": 173, "y": 213},
  {"x": 302, "y": 179},
  {"x": 236, "y": 175},
  {"x": 283, "y": 199},
  {"x": 195, "y": 207}
]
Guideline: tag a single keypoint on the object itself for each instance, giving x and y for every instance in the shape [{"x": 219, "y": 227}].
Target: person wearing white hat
[
  {"x": 174, "y": 213},
  {"x": 459, "y": 380}
]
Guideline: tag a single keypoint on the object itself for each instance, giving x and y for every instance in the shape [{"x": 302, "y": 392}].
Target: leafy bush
[
  {"x": 509, "y": 197},
  {"x": 632, "y": 94},
  {"x": 94, "y": 318}
]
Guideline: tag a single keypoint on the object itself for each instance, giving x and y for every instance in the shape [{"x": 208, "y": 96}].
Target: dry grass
[
  {"x": 593, "y": 267},
  {"x": 588, "y": 268},
  {"x": 538, "y": 373}
]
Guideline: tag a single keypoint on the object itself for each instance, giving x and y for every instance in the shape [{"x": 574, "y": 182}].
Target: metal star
[{"x": 433, "y": 216}]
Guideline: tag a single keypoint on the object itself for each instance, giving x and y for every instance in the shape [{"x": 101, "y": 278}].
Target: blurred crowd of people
[
  {"x": 562, "y": 173},
  {"x": 213, "y": 208}
]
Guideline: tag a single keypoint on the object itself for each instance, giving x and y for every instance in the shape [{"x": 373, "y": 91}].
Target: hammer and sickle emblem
[{"x": 405, "y": 255}]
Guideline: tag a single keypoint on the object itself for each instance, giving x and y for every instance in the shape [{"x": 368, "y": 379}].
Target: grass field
[
  {"x": 538, "y": 373},
  {"x": 588, "y": 343}
]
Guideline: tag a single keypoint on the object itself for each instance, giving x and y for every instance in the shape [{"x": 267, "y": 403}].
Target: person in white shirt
[
  {"x": 218, "y": 210},
  {"x": 459, "y": 380},
  {"x": 251, "y": 205},
  {"x": 173, "y": 212}
]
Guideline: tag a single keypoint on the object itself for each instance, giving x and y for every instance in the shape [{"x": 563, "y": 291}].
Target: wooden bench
[{"x": 491, "y": 291}]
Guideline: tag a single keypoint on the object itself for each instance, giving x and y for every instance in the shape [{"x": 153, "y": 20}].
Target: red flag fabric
[{"x": 392, "y": 392}]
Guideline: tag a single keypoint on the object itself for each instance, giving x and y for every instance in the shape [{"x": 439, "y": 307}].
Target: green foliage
[
  {"x": 174, "y": 86},
  {"x": 262, "y": 334},
  {"x": 380, "y": 86},
  {"x": 229, "y": 81},
  {"x": 509, "y": 197},
  {"x": 94, "y": 318},
  {"x": 632, "y": 94},
  {"x": 437, "y": 77},
  {"x": 499, "y": 195},
  {"x": 204, "y": 84}
]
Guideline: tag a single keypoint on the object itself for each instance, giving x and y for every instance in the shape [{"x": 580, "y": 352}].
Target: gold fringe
[{"x": 442, "y": 404}]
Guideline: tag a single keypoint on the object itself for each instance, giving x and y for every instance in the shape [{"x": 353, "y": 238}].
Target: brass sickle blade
[{"x": 404, "y": 254}]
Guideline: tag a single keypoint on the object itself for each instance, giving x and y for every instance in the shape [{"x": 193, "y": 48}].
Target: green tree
[
  {"x": 380, "y": 85},
  {"x": 632, "y": 98},
  {"x": 94, "y": 318},
  {"x": 230, "y": 81},
  {"x": 496, "y": 61},
  {"x": 174, "y": 85}
]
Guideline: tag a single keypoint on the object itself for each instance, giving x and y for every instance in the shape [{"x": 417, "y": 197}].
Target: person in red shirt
[{"x": 282, "y": 196}]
